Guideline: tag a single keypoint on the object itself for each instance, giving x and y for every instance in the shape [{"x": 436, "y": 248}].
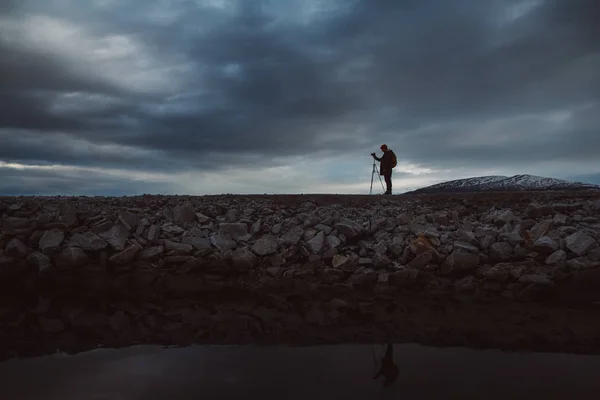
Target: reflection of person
[{"x": 388, "y": 368}]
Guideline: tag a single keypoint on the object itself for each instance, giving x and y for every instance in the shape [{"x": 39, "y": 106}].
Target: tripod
[{"x": 375, "y": 169}]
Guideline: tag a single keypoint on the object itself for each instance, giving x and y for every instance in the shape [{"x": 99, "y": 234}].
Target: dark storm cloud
[
  {"x": 425, "y": 77},
  {"x": 74, "y": 183}
]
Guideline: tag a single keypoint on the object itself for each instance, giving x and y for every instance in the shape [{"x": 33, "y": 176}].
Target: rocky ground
[{"x": 504, "y": 270}]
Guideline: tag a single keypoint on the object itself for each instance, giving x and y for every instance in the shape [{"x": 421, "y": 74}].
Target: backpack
[{"x": 394, "y": 160}]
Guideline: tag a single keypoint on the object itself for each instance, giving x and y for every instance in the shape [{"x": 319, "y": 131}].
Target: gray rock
[
  {"x": 514, "y": 238},
  {"x": 338, "y": 261},
  {"x": 243, "y": 259},
  {"x": 362, "y": 261},
  {"x": 559, "y": 256},
  {"x": 178, "y": 259},
  {"x": 537, "y": 279},
  {"x": 403, "y": 219},
  {"x": 231, "y": 215},
  {"x": 69, "y": 214},
  {"x": 486, "y": 242},
  {"x": 381, "y": 248},
  {"x": 178, "y": 248},
  {"x": 496, "y": 274},
  {"x": 196, "y": 232},
  {"x": 317, "y": 243},
  {"x": 579, "y": 243},
  {"x": 455, "y": 218},
  {"x": 184, "y": 213},
  {"x": 422, "y": 260},
  {"x": 276, "y": 229},
  {"x": 466, "y": 246},
  {"x": 333, "y": 242},
  {"x": 501, "y": 251},
  {"x": 197, "y": 242},
  {"x": 364, "y": 279},
  {"x": 541, "y": 229},
  {"x": 441, "y": 218},
  {"x": 381, "y": 261},
  {"x": 521, "y": 252},
  {"x": 326, "y": 229},
  {"x": 293, "y": 235},
  {"x": 16, "y": 248},
  {"x": 222, "y": 242},
  {"x": 116, "y": 237},
  {"x": 460, "y": 262},
  {"x": 594, "y": 254},
  {"x": 256, "y": 227},
  {"x": 152, "y": 253},
  {"x": 429, "y": 231},
  {"x": 275, "y": 271},
  {"x": 383, "y": 278},
  {"x": 126, "y": 256},
  {"x": 467, "y": 284},
  {"x": 39, "y": 261},
  {"x": 535, "y": 210},
  {"x": 467, "y": 237},
  {"x": 266, "y": 245},
  {"x": 376, "y": 224},
  {"x": 501, "y": 217},
  {"x": 349, "y": 228},
  {"x": 581, "y": 263},
  {"x": 17, "y": 225},
  {"x": 153, "y": 233},
  {"x": 233, "y": 230},
  {"x": 88, "y": 241},
  {"x": 277, "y": 260},
  {"x": 51, "y": 241},
  {"x": 172, "y": 228},
  {"x": 202, "y": 219},
  {"x": 309, "y": 234},
  {"x": 71, "y": 257},
  {"x": 397, "y": 246},
  {"x": 545, "y": 245},
  {"x": 559, "y": 220},
  {"x": 133, "y": 219}
]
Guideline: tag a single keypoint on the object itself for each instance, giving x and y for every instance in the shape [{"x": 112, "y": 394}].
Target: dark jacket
[{"x": 385, "y": 162}]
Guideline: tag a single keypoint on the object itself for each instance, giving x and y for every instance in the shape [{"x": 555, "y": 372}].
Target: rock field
[{"x": 75, "y": 272}]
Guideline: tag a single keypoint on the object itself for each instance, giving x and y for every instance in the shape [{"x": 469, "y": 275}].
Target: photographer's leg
[{"x": 388, "y": 182}]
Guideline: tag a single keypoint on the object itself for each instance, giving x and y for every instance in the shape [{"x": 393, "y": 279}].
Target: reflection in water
[
  {"x": 321, "y": 372},
  {"x": 388, "y": 367}
]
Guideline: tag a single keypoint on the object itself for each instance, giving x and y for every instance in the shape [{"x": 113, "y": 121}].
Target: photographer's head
[{"x": 384, "y": 147}]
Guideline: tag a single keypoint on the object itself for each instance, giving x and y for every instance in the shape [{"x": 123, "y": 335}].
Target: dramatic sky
[{"x": 290, "y": 96}]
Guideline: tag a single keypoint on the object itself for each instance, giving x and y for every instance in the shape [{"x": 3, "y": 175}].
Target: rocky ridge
[
  {"x": 153, "y": 250},
  {"x": 386, "y": 245}
]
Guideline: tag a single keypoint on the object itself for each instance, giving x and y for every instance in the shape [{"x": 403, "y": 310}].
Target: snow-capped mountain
[{"x": 504, "y": 183}]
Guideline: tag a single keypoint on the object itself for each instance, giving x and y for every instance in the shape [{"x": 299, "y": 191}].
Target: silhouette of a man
[
  {"x": 387, "y": 163},
  {"x": 388, "y": 368}
]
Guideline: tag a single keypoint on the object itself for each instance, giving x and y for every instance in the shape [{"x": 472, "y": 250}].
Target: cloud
[{"x": 222, "y": 87}]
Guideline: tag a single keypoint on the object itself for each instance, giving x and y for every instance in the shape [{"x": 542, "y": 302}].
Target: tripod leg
[
  {"x": 380, "y": 181},
  {"x": 372, "y": 173}
]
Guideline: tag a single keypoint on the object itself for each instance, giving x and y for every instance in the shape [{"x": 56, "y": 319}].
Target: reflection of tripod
[{"x": 375, "y": 169}]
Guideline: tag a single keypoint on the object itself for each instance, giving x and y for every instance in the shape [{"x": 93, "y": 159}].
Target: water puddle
[{"x": 321, "y": 372}]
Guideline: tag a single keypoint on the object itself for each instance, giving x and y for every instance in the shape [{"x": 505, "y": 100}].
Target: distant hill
[{"x": 504, "y": 183}]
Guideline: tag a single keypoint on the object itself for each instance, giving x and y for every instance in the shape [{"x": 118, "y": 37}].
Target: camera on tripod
[{"x": 375, "y": 170}]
